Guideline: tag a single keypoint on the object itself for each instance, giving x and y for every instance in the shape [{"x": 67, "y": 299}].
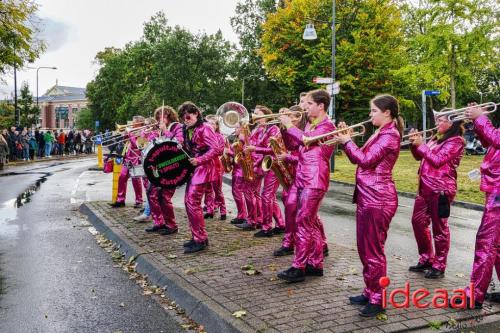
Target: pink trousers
[
  {"x": 192, "y": 200},
  {"x": 122, "y": 186},
  {"x": 214, "y": 198},
  {"x": 238, "y": 189},
  {"x": 270, "y": 206},
  {"x": 253, "y": 200}
]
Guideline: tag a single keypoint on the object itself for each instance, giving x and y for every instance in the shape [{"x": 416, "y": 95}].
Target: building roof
[{"x": 63, "y": 93}]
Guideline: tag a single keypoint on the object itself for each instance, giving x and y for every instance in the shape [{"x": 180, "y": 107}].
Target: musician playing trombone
[
  {"x": 437, "y": 187},
  {"x": 375, "y": 196}
]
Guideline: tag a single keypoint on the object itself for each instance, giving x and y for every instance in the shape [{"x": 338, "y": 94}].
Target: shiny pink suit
[
  {"x": 437, "y": 174},
  {"x": 487, "y": 252},
  {"x": 214, "y": 198},
  {"x": 132, "y": 158},
  {"x": 160, "y": 199},
  {"x": 252, "y": 189},
  {"x": 377, "y": 201},
  {"x": 238, "y": 186},
  {"x": 203, "y": 144},
  {"x": 312, "y": 179}
]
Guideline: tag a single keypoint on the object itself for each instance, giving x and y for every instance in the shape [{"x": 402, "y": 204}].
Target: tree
[
  {"x": 18, "y": 26},
  {"x": 29, "y": 113},
  {"x": 84, "y": 119},
  {"x": 6, "y": 115}
]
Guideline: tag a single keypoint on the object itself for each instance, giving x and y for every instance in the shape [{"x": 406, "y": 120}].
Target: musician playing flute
[
  {"x": 487, "y": 252},
  {"x": 160, "y": 199},
  {"x": 132, "y": 157},
  {"x": 375, "y": 196},
  {"x": 202, "y": 144},
  {"x": 440, "y": 158},
  {"x": 310, "y": 185},
  {"x": 214, "y": 198}
]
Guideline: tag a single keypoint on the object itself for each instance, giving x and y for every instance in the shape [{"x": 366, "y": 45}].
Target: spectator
[
  {"x": 61, "y": 139},
  {"x": 70, "y": 142},
  {"x": 12, "y": 143},
  {"x": 4, "y": 148},
  {"x": 49, "y": 139},
  {"x": 41, "y": 144},
  {"x": 33, "y": 144},
  {"x": 23, "y": 140},
  {"x": 78, "y": 142}
]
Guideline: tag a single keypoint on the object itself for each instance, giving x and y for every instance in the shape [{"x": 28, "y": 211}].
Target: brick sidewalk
[{"x": 215, "y": 282}]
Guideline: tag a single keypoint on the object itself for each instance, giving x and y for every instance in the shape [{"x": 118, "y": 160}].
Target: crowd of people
[{"x": 24, "y": 144}]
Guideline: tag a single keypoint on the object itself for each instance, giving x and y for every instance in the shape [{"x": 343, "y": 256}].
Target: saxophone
[
  {"x": 226, "y": 160},
  {"x": 278, "y": 167},
  {"x": 242, "y": 158}
]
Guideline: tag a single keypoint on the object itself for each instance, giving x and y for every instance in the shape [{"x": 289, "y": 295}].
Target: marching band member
[
  {"x": 238, "y": 185},
  {"x": 203, "y": 145},
  {"x": 132, "y": 157},
  {"x": 437, "y": 188},
  {"x": 311, "y": 183},
  {"x": 375, "y": 196},
  {"x": 214, "y": 198},
  {"x": 487, "y": 253},
  {"x": 160, "y": 199}
]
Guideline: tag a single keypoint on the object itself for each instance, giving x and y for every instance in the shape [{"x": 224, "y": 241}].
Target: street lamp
[
  {"x": 37, "y": 81},
  {"x": 310, "y": 34}
]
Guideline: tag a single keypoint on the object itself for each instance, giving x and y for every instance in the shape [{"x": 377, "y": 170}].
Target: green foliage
[
  {"x": 85, "y": 119},
  {"x": 6, "y": 115},
  {"x": 17, "y": 33},
  {"x": 28, "y": 113}
]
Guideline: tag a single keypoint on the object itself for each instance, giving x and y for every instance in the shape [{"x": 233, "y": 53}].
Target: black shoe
[
  {"x": 419, "y": 267},
  {"x": 458, "y": 302},
  {"x": 204, "y": 208},
  {"x": 245, "y": 226},
  {"x": 371, "y": 310},
  {"x": 208, "y": 215},
  {"x": 493, "y": 297},
  {"x": 238, "y": 221},
  {"x": 195, "y": 247},
  {"x": 222, "y": 217},
  {"x": 156, "y": 228},
  {"x": 117, "y": 204},
  {"x": 258, "y": 226},
  {"x": 283, "y": 251},
  {"x": 278, "y": 231},
  {"x": 191, "y": 242},
  {"x": 168, "y": 231},
  {"x": 434, "y": 274},
  {"x": 142, "y": 210},
  {"x": 325, "y": 251},
  {"x": 358, "y": 300},
  {"x": 263, "y": 233},
  {"x": 313, "y": 271},
  {"x": 292, "y": 275},
  {"x": 138, "y": 205}
]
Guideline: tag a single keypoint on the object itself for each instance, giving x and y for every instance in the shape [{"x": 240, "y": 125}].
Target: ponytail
[{"x": 389, "y": 102}]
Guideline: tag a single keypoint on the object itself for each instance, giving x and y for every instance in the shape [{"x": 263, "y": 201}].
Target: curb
[
  {"x": 66, "y": 158},
  {"x": 197, "y": 305}
]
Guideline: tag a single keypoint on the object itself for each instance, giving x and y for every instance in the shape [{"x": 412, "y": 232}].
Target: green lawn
[{"x": 406, "y": 178}]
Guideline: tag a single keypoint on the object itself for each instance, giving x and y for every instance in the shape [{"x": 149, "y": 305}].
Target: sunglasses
[{"x": 187, "y": 117}]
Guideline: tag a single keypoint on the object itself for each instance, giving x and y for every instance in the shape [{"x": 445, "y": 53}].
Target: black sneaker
[
  {"x": 168, "y": 231},
  {"x": 138, "y": 205},
  {"x": 191, "y": 242},
  {"x": 222, "y": 217},
  {"x": 458, "y": 302},
  {"x": 419, "y": 267},
  {"x": 195, "y": 247},
  {"x": 208, "y": 215},
  {"x": 263, "y": 233},
  {"x": 245, "y": 226},
  {"x": 292, "y": 275},
  {"x": 238, "y": 221},
  {"x": 358, "y": 300},
  {"x": 371, "y": 310},
  {"x": 117, "y": 204},
  {"x": 283, "y": 251},
  {"x": 278, "y": 231},
  {"x": 434, "y": 274},
  {"x": 325, "y": 251},
  {"x": 156, "y": 228},
  {"x": 493, "y": 297},
  {"x": 313, "y": 271}
]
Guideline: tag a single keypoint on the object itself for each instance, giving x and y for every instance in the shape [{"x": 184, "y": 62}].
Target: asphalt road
[{"x": 53, "y": 275}]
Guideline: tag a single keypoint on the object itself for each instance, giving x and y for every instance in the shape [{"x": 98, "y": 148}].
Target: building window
[{"x": 62, "y": 114}]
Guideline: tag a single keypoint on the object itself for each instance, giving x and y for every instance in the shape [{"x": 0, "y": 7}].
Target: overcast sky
[{"x": 76, "y": 30}]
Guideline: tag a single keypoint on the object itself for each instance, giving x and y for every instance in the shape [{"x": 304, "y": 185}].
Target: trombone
[
  {"x": 361, "y": 129},
  {"x": 459, "y": 114},
  {"x": 293, "y": 114},
  {"x": 427, "y": 134},
  {"x": 125, "y": 128}
]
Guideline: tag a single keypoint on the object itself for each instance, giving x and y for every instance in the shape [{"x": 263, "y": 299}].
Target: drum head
[{"x": 166, "y": 165}]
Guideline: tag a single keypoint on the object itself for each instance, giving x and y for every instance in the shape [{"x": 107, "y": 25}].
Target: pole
[
  {"x": 16, "y": 110},
  {"x": 37, "y": 86},
  {"x": 424, "y": 113},
  {"x": 332, "y": 97}
]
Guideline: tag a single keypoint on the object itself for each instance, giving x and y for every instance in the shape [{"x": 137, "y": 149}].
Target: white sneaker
[{"x": 142, "y": 218}]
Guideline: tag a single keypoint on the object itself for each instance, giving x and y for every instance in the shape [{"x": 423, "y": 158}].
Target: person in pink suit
[
  {"x": 269, "y": 204},
  {"x": 440, "y": 158},
  {"x": 214, "y": 198},
  {"x": 310, "y": 186},
  {"x": 202, "y": 143},
  {"x": 487, "y": 252},
  {"x": 131, "y": 158},
  {"x": 375, "y": 196},
  {"x": 238, "y": 185},
  {"x": 160, "y": 199}
]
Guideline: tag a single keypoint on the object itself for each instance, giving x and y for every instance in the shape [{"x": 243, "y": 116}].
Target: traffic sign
[
  {"x": 322, "y": 80},
  {"x": 97, "y": 123},
  {"x": 335, "y": 87},
  {"x": 432, "y": 92}
]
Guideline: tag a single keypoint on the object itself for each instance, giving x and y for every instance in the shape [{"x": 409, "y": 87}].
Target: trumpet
[
  {"x": 308, "y": 140},
  {"x": 427, "y": 134},
  {"x": 459, "y": 114},
  {"x": 293, "y": 114}
]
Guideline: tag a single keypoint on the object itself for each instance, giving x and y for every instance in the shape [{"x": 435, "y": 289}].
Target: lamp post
[
  {"x": 310, "y": 34},
  {"x": 37, "y": 80}
]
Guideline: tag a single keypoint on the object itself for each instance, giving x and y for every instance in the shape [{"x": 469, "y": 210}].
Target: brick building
[{"x": 59, "y": 105}]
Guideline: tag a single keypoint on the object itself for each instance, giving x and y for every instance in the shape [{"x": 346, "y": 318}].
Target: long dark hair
[
  {"x": 456, "y": 129},
  {"x": 303, "y": 121},
  {"x": 389, "y": 102},
  {"x": 190, "y": 107}
]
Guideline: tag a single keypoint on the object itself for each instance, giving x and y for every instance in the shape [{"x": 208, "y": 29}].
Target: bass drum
[{"x": 165, "y": 164}]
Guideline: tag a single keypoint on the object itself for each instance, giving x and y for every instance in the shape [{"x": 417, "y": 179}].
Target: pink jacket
[
  {"x": 218, "y": 163},
  {"x": 375, "y": 160},
  {"x": 313, "y": 168},
  {"x": 204, "y": 146},
  {"x": 237, "y": 170},
  {"x": 133, "y": 156},
  {"x": 438, "y": 170},
  {"x": 176, "y": 132},
  {"x": 490, "y": 168},
  {"x": 261, "y": 142}
]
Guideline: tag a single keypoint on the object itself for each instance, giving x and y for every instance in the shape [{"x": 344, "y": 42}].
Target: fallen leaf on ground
[
  {"x": 252, "y": 272},
  {"x": 247, "y": 267},
  {"x": 460, "y": 275},
  {"x": 239, "y": 314},
  {"x": 171, "y": 256},
  {"x": 290, "y": 292},
  {"x": 190, "y": 271},
  {"x": 382, "y": 317},
  {"x": 122, "y": 305}
]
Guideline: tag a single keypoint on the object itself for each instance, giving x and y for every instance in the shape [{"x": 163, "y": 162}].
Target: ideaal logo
[{"x": 419, "y": 297}]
